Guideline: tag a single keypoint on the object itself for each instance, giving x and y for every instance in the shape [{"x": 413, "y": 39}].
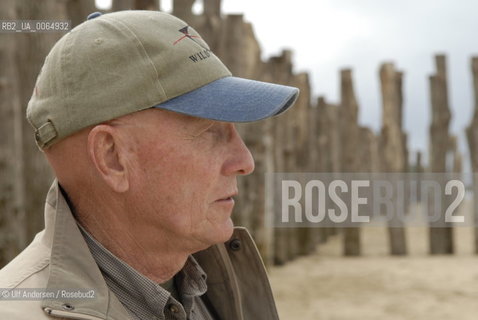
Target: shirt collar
[{"x": 139, "y": 294}]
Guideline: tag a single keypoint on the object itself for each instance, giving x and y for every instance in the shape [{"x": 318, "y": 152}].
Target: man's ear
[{"x": 105, "y": 152}]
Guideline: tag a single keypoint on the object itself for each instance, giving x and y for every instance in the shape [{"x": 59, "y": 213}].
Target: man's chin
[
  {"x": 222, "y": 233},
  {"x": 219, "y": 234},
  {"x": 228, "y": 230}
]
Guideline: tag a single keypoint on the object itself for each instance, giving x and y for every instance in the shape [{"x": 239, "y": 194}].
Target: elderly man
[{"x": 135, "y": 115}]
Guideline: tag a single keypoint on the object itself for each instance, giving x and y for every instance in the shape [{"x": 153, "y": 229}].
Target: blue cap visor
[{"x": 234, "y": 99}]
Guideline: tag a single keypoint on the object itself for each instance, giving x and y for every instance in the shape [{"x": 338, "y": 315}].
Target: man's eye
[
  {"x": 213, "y": 130},
  {"x": 216, "y": 131}
]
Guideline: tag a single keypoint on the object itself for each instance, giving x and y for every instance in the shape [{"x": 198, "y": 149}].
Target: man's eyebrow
[{"x": 197, "y": 129}]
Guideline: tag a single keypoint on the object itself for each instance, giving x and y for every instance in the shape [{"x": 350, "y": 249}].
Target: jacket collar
[{"x": 72, "y": 266}]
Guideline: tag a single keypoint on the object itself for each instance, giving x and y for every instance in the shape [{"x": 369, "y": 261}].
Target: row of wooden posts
[
  {"x": 313, "y": 136},
  {"x": 323, "y": 137},
  {"x": 317, "y": 136}
]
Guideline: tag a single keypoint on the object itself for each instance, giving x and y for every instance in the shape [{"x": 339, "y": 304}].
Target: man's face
[{"x": 183, "y": 176}]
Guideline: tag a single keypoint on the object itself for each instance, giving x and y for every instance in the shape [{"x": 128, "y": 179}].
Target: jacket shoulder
[{"x": 29, "y": 269}]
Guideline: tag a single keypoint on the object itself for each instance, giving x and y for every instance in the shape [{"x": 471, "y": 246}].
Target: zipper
[{"x": 70, "y": 315}]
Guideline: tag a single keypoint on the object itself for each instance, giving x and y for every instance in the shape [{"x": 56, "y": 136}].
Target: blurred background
[{"x": 385, "y": 87}]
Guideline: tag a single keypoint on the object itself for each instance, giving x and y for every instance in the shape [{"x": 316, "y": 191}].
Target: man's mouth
[{"x": 228, "y": 198}]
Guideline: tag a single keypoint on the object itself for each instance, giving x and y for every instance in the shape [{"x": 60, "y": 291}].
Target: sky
[{"x": 328, "y": 35}]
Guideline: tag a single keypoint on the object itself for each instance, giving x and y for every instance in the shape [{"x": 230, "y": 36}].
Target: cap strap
[{"x": 45, "y": 134}]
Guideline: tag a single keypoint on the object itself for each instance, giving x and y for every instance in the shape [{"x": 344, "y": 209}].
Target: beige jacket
[{"x": 58, "y": 258}]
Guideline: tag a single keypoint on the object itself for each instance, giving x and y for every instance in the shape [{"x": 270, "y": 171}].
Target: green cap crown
[{"x": 116, "y": 64}]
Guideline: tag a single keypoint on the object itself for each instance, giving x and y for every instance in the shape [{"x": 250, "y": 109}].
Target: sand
[{"x": 327, "y": 286}]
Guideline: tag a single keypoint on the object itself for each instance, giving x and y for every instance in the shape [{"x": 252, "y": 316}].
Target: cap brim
[{"x": 234, "y": 99}]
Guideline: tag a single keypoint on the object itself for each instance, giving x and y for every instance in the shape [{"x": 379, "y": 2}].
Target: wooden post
[
  {"x": 288, "y": 138},
  {"x": 392, "y": 144},
  {"x": 279, "y": 70},
  {"x": 212, "y": 8},
  {"x": 183, "y": 9},
  {"x": 13, "y": 236},
  {"x": 329, "y": 159},
  {"x": 319, "y": 233},
  {"x": 368, "y": 152},
  {"x": 472, "y": 137},
  {"x": 31, "y": 52},
  {"x": 349, "y": 139},
  {"x": 441, "y": 236},
  {"x": 119, "y": 5},
  {"x": 78, "y": 10},
  {"x": 306, "y": 237},
  {"x": 147, "y": 5}
]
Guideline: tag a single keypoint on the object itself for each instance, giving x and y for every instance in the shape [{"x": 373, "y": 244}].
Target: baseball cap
[{"x": 122, "y": 62}]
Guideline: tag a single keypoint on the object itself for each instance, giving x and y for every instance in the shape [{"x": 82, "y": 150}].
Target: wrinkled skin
[{"x": 154, "y": 186}]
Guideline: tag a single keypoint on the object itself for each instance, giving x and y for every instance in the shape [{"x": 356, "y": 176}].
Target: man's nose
[{"x": 240, "y": 161}]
